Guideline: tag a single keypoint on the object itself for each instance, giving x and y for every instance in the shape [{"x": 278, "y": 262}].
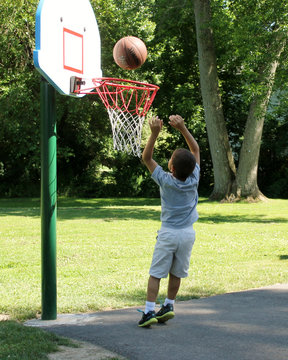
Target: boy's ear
[{"x": 172, "y": 169}]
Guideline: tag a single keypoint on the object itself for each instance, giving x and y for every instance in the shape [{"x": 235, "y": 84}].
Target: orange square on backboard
[{"x": 73, "y": 51}]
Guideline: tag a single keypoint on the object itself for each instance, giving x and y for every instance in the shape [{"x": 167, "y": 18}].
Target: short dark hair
[{"x": 184, "y": 163}]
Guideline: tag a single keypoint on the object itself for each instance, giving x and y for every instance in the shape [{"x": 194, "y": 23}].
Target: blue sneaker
[{"x": 147, "y": 319}]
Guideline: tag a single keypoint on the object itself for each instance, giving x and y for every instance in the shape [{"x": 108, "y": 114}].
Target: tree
[
  {"x": 19, "y": 125},
  {"x": 87, "y": 164},
  {"x": 221, "y": 153},
  {"x": 257, "y": 62}
]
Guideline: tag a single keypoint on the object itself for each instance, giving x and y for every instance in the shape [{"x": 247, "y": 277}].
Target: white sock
[
  {"x": 150, "y": 306},
  {"x": 169, "y": 301}
]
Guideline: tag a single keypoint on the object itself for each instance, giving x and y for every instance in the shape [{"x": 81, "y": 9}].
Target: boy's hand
[
  {"x": 177, "y": 122},
  {"x": 155, "y": 125}
]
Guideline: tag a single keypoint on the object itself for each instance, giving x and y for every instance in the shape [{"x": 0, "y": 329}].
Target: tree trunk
[
  {"x": 229, "y": 185},
  {"x": 221, "y": 153},
  {"x": 246, "y": 185}
]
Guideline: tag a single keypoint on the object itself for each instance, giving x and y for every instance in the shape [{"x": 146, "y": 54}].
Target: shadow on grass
[
  {"x": 261, "y": 219},
  {"x": 106, "y": 202},
  {"x": 139, "y": 296},
  {"x": 104, "y": 209},
  {"x": 16, "y": 341},
  {"x": 78, "y": 202},
  {"x": 137, "y": 212},
  {"x": 283, "y": 257},
  {"x": 20, "y": 212},
  {"x": 108, "y": 209},
  {"x": 109, "y": 214},
  {"x": 132, "y": 298}
]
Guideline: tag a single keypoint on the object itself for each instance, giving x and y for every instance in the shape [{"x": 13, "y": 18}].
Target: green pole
[{"x": 48, "y": 200}]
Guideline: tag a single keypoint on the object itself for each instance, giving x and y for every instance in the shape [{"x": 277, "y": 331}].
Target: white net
[{"x": 126, "y": 130}]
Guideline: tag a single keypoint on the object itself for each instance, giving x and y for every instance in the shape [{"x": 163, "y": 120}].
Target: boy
[{"x": 178, "y": 190}]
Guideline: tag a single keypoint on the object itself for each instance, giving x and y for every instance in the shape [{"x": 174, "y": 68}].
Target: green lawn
[
  {"x": 18, "y": 342},
  {"x": 104, "y": 249}
]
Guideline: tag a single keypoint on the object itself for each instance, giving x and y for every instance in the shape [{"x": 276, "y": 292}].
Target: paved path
[{"x": 248, "y": 325}]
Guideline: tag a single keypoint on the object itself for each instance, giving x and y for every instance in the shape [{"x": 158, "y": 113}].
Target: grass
[
  {"x": 104, "y": 250},
  {"x": 26, "y": 343}
]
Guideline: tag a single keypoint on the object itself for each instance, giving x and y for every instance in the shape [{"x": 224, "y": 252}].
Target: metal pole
[{"x": 48, "y": 200}]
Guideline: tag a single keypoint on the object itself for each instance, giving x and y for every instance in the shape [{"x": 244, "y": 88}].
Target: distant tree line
[{"x": 87, "y": 164}]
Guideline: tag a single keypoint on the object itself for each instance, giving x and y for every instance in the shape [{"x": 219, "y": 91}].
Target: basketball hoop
[{"x": 127, "y": 103}]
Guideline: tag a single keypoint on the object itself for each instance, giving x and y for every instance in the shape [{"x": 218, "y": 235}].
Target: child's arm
[
  {"x": 178, "y": 123},
  {"x": 147, "y": 155}
]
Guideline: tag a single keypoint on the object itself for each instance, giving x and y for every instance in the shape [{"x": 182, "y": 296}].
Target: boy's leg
[
  {"x": 173, "y": 286},
  {"x": 153, "y": 288},
  {"x": 149, "y": 317},
  {"x": 167, "y": 310}
]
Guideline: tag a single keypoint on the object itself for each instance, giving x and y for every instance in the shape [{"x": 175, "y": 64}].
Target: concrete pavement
[{"x": 247, "y": 325}]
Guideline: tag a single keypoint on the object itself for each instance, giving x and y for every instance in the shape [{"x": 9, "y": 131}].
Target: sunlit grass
[{"x": 104, "y": 250}]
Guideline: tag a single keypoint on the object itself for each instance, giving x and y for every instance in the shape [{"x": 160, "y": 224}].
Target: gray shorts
[{"x": 172, "y": 252}]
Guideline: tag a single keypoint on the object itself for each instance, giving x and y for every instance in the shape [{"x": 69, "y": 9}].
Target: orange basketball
[{"x": 130, "y": 53}]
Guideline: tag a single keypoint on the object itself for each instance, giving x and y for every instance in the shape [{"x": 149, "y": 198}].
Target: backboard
[{"x": 67, "y": 42}]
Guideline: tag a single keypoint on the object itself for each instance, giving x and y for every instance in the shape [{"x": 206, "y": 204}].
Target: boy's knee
[
  {"x": 174, "y": 276},
  {"x": 155, "y": 278}
]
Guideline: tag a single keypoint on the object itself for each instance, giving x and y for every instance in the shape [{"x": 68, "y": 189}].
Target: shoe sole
[
  {"x": 149, "y": 322},
  {"x": 165, "y": 317}
]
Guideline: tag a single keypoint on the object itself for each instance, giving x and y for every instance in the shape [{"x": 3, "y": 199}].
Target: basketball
[{"x": 130, "y": 53}]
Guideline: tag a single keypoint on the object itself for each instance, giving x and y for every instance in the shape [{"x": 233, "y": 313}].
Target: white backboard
[{"x": 67, "y": 42}]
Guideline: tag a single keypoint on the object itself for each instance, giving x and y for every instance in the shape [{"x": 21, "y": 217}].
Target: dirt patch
[{"x": 85, "y": 351}]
